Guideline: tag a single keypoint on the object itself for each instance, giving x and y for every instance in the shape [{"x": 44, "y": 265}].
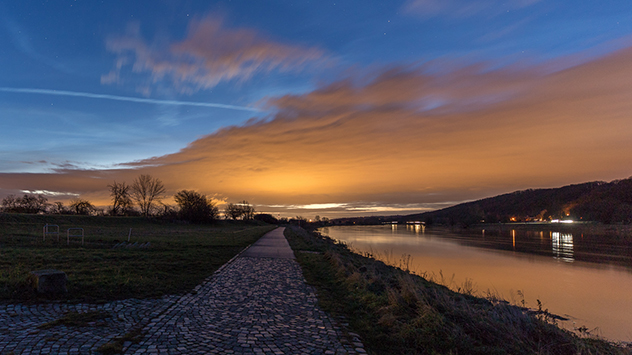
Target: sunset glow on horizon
[{"x": 303, "y": 113}]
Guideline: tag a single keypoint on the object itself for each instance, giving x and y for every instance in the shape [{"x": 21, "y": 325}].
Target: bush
[
  {"x": 266, "y": 218},
  {"x": 195, "y": 207}
]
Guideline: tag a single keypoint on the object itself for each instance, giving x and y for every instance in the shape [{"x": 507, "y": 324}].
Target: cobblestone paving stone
[
  {"x": 250, "y": 306},
  {"x": 254, "y": 306},
  {"x": 19, "y": 332}
]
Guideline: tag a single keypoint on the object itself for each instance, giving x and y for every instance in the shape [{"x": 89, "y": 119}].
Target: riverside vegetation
[
  {"x": 180, "y": 255},
  {"x": 397, "y": 312}
]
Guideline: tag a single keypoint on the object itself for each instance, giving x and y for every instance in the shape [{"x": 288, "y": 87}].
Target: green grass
[
  {"x": 396, "y": 312},
  {"x": 180, "y": 256}
]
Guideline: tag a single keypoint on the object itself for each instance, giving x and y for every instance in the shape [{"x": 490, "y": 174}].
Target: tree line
[
  {"x": 142, "y": 198},
  {"x": 39, "y": 204}
]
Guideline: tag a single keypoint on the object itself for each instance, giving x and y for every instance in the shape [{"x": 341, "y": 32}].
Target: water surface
[{"x": 542, "y": 265}]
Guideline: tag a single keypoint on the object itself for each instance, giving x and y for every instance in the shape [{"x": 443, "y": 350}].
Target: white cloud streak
[
  {"x": 126, "y": 98},
  {"x": 49, "y": 193}
]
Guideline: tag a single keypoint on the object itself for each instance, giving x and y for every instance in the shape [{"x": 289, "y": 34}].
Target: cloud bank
[{"x": 405, "y": 137}]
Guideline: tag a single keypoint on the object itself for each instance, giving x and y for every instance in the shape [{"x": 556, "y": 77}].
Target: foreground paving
[
  {"x": 21, "y": 332},
  {"x": 256, "y": 304}
]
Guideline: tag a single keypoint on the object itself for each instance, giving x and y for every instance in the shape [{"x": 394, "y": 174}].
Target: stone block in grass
[{"x": 49, "y": 281}]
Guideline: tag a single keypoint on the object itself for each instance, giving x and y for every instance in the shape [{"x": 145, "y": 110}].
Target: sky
[{"x": 329, "y": 108}]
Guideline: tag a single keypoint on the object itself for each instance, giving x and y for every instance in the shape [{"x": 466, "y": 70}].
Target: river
[{"x": 580, "y": 277}]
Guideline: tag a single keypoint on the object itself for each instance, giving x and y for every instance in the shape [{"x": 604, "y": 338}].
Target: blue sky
[{"x": 71, "y": 71}]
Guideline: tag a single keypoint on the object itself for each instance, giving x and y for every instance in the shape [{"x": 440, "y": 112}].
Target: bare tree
[
  {"x": 58, "y": 207},
  {"x": 11, "y": 203},
  {"x": 83, "y": 207},
  {"x": 26, "y": 204},
  {"x": 232, "y": 211},
  {"x": 247, "y": 210},
  {"x": 242, "y": 210},
  {"x": 147, "y": 191},
  {"x": 121, "y": 200}
]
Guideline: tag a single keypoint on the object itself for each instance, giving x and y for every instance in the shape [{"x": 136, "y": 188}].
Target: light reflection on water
[
  {"x": 591, "y": 294},
  {"x": 417, "y": 228},
  {"x": 562, "y": 246}
]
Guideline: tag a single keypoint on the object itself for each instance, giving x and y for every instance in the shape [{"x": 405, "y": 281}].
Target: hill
[{"x": 597, "y": 201}]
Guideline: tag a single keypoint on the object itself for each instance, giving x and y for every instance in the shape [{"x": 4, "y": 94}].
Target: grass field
[{"x": 178, "y": 258}]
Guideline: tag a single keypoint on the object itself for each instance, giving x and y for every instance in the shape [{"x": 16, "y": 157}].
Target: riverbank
[{"x": 397, "y": 312}]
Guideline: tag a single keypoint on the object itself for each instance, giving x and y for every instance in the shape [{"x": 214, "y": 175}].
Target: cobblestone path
[
  {"x": 20, "y": 332},
  {"x": 253, "y": 305}
]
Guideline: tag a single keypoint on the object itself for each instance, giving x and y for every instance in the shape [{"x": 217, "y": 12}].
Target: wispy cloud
[
  {"x": 125, "y": 98},
  {"x": 463, "y": 8},
  {"x": 211, "y": 53},
  {"x": 21, "y": 40}
]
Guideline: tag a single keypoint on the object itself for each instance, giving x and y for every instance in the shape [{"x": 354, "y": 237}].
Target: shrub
[
  {"x": 195, "y": 207},
  {"x": 266, "y": 218}
]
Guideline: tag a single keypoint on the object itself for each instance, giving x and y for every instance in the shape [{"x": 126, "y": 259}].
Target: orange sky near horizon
[{"x": 403, "y": 139}]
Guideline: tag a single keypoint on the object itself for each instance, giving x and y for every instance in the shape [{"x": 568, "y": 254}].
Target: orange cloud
[
  {"x": 211, "y": 53},
  {"x": 405, "y": 137}
]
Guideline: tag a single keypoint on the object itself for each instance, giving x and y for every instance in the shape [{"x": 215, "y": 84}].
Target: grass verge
[
  {"x": 180, "y": 256},
  {"x": 396, "y": 312}
]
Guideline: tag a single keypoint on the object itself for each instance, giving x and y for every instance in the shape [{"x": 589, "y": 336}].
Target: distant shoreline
[{"x": 579, "y": 227}]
